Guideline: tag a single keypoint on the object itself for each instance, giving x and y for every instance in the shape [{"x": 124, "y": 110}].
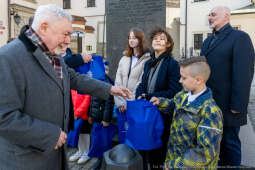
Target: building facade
[
  {"x": 244, "y": 19},
  {"x": 14, "y": 14},
  {"x": 93, "y": 36},
  {"x": 3, "y": 22},
  {"x": 173, "y": 24}
]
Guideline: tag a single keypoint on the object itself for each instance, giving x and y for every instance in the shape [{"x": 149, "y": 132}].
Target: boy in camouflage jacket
[{"x": 197, "y": 125}]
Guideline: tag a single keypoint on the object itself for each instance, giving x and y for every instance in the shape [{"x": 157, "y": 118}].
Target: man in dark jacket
[{"x": 230, "y": 54}]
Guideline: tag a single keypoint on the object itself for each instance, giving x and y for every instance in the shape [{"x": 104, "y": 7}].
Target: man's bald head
[{"x": 218, "y": 17}]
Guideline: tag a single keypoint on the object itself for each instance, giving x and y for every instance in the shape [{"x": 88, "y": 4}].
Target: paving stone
[{"x": 247, "y": 132}]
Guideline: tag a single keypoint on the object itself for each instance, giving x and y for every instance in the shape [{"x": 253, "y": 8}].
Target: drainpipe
[
  {"x": 9, "y": 19},
  {"x": 103, "y": 38},
  {"x": 186, "y": 29}
]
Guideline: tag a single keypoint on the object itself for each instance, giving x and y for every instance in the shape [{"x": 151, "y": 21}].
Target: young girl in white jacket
[{"x": 131, "y": 65}]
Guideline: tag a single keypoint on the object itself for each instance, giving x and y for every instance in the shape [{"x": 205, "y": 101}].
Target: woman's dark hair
[
  {"x": 139, "y": 34},
  {"x": 158, "y": 30}
]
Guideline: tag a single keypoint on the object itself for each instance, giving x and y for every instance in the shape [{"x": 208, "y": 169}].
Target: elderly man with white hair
[
  {"x": 35, "y": 94},
  {"x": 230, "y": 54}
]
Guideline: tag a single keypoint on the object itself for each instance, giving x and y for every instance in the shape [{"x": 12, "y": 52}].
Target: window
[
  {"x": 88, "y": 48},
  {"x": 67, "y": 4},
  {"x": 91, "y": 3},
  {"x": 198, "y": 41},
  {"x": 199, "y": 0},
  {"x": 79, "y": 41},
  {"x": 33, "y": 1}
]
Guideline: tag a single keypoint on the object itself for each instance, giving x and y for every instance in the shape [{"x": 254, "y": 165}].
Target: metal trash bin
[{"x": 122, "y": 157}]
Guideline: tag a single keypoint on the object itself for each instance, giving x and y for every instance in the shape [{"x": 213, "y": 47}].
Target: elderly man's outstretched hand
[{"x": 121, "y": 91}]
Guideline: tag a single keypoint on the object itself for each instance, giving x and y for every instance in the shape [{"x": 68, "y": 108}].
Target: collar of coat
[
  {"x": 154, "y": 61},
  {"x": 221, "y": 29},
  {"x": 27, "y": 42},
  {"x": 196, "y": 105}
]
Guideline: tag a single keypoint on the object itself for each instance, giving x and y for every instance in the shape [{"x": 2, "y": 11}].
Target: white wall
[
  {"x": 246, "y": 23},
  {"x": 4, "y": 20},
  {"x": 97, "y": 35},
  {"x": 173, "y": 14},
  {"x": 197, "y": 17},
  {"x": 24, "y": 3},
  {"x": 79, "y": 8},
  {"x": 45, "y": 2},
  {"x": 94, "y": 16}
]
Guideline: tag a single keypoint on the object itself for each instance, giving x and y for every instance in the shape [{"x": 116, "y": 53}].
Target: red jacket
[{"x": 81, "y": 103}]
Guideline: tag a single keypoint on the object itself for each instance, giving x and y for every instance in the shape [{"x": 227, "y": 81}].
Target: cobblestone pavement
[
  {"x": 75, "y": 166},
  {"x": 247, "y": 134}
]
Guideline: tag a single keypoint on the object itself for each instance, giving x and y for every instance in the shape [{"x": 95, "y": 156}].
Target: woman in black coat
[{"x": 160, "y": 79}]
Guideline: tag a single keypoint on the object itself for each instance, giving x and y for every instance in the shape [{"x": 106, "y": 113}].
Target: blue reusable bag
[
  {"x": 101, "y": 139},
  {"x": 96, "y": 68},
  {"x": 73, "y": 135},
  {"x": 122, "y": 126},
  {"x": 83, "y": 69},
  {"x": 145, "y": 125}
]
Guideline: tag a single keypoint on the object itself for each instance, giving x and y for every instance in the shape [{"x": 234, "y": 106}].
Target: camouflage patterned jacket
[{"x": 196, "y": 131}]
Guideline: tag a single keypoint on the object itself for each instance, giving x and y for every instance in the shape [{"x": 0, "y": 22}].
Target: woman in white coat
[{"x": 131, "y": 65}]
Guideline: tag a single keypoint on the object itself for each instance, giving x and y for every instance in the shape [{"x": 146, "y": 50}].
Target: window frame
[
  {"x": 91, "y": 3},
  {"x": 198, "y": 1},
  {"x": 199, "y": 42},
  {"x": 66, "y": 4},
  {"x": 89, "y": 48}
]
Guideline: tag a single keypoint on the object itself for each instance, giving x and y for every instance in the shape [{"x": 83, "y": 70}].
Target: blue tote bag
[
  {"x": 73, "y": 135},
  {"x": 122, "y": 126},
  {"x": 94, "y": 68},
  {"x": 145, "y": 125},
  {"x": 101, "y": 139},
  {"x": 97, "y": 68}
]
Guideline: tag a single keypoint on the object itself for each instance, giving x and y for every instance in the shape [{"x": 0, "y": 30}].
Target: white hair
[{"x": 49, "y": 13}]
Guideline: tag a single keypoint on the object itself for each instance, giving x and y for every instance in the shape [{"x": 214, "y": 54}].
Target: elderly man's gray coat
[{"x": 34, "y": 106}]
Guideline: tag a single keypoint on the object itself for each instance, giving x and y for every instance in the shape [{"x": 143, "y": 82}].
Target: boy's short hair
[{"x": 198, "y": 66}]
